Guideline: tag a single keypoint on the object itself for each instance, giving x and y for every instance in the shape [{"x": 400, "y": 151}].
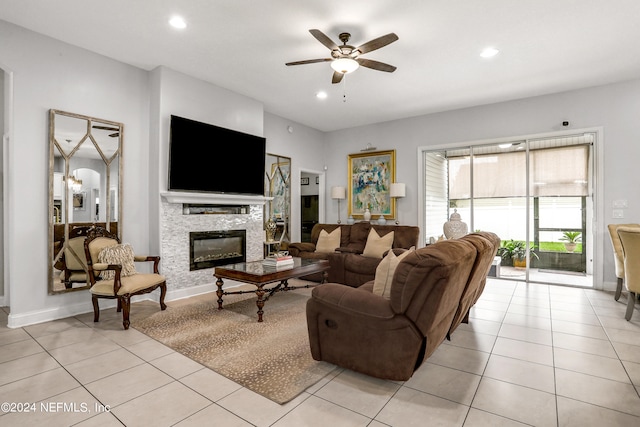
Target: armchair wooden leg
[
  {"x": 119, "y": 309},
  {"x": 631, "y": 302},
  {"x": 163, "y": 293},
  {"x": 96, "y": 309},
  {"x": 618, "y": 289},
  {"x": 126, "y": 305}
]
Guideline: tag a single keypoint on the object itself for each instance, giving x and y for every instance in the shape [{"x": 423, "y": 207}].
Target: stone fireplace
[{"x": 177, "y": 224}]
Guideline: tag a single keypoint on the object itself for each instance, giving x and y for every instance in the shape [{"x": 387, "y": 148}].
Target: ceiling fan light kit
[
  {"x": 345, "y": 65},
  {"x": 346, "y": 58}
]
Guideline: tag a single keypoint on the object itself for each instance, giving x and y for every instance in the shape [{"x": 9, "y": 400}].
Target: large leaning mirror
[
  {"x": 278, "y": 209},
  {"x": 85, "y": 189}
]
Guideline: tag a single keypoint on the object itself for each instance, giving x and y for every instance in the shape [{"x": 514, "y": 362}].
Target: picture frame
[
  {"x": 370, "y": 176},
  {"x": 279, "y": 188},
  {"x": 79, "y": 201},
  {"x": 304, "y": 180}
]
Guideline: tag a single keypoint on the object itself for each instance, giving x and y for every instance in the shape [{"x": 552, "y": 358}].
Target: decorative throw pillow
[
  {"x": 117, "y": 254},
  {"x": 376, "y": 246},
  {"x": 385, "y": 271},
  {"x": 328, "y": 242}
]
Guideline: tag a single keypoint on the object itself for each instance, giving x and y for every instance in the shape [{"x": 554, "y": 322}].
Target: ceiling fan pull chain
[{"x": 344, "y": 88}]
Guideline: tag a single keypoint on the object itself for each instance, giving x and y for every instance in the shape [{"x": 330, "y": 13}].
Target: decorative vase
[
  {"x": 351, "y": 220},
  {"x": 382, "y": 220},
  {"x": 367, "y": 215},
  {"x": 455, "y": 228},
  {"x": 270, "y": 227}
]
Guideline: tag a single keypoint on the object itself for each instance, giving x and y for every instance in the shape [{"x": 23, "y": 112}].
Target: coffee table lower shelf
[{"x": 255, "y": 273}]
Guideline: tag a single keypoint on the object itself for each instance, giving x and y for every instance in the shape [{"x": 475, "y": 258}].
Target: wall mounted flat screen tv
[{"x": 212, "y": 159}]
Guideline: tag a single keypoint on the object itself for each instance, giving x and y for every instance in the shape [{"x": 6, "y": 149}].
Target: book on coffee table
[{"x": 278, "y": 261}]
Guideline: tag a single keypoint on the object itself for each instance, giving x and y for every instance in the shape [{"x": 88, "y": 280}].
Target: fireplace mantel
[{"x": 213, "y": 198}]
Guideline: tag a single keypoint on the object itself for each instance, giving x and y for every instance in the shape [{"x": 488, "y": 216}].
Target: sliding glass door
[{"x": 534, "y": 194}]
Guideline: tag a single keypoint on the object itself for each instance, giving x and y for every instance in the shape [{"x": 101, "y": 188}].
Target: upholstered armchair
[
  {"x": 630, "y": 241},
  {"x": 112, "y": 273},
  {"x": 75, "y": 264},
  {"x": 617, "y": 254},
  {"x": 361, "y": 330}
]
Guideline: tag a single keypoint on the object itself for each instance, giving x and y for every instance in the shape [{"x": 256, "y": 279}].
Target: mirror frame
[
  {"x": 278, "y": 205},
  {"x": 87, "y": 138}
]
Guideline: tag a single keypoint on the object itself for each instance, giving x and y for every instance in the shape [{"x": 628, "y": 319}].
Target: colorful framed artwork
[{"x": 370, "y": 176}]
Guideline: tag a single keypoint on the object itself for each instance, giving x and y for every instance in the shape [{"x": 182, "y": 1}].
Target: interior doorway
[
  {"x": 537, "y": 194},
  {"x": 309, "y": 203}
]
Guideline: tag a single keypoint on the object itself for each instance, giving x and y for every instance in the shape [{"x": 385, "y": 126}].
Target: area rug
[{"x": 271, "y": 358}]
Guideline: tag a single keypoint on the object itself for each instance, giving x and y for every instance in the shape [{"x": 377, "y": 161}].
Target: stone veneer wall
[{"x": 174, "y": 264}]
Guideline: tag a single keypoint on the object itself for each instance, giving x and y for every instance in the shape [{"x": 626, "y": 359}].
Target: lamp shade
[
  {"x": 398, "y": 189},
  {"x": 338, "y": 193}
]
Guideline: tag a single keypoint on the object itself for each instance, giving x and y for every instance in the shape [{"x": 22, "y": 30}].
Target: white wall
[
  {"x": 3, "y": 100},
  {"x": 614, "y": 107},
  {"x": 50, "y": 74},
  {"x": 305, "y": 146}
]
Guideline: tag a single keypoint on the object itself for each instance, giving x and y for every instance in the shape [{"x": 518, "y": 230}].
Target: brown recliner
[
  {"x": 486, "y": 245},
  {"x": 389, "y": 338}
]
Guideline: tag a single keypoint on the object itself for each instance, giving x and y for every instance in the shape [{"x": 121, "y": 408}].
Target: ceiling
[{"x": 546, "y": 46}]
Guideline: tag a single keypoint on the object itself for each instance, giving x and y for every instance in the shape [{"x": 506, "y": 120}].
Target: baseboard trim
[
  {"x": 49, "y": 314},
  {"x": 56, "y": 313}
]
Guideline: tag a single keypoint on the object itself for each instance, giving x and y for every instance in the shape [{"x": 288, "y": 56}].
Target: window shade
[{"x": 558, "y": 171}]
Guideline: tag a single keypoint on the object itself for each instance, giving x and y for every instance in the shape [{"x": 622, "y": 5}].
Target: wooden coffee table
[{"x": 259, "y": 275}]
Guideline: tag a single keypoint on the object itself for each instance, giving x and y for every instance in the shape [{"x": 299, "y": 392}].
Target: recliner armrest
[
  {"x": 296, "y": 248},
  {"x": 353, "y": 300}
]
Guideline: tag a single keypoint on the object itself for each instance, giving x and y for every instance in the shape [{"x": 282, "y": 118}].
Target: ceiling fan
[
  {"x": 346, "y": 58},
  {"x": 113, "y": 135}
]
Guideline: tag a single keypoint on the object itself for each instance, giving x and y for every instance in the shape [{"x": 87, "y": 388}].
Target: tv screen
[{"x": 208, "y": 158}]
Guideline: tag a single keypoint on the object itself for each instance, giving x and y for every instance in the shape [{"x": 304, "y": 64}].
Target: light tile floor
[{"x": 531, "y": 355}]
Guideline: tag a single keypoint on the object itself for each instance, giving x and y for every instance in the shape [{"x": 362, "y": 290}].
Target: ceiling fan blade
[
  {"x": 322, "y": 38},
  {"x": 104, "y": 127},
  {"x": 376, "y": 65},
  {"x": 337, "y": 77},
  {"x": 309, "y": 61},
  {"x": 378, "y": 43}
]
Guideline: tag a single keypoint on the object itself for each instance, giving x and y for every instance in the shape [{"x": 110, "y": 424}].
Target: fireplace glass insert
[{"x": 211, "y": 248}]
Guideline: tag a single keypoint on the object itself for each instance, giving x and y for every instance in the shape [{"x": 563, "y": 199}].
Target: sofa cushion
[
  {"x": 118, "y": 254},
  {"x": 328, "y": 242},
  {"x": 385, "y": 271},
  {"x": 376, "y": 246}
]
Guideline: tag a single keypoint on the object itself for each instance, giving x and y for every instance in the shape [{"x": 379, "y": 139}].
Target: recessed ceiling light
[
  {"x": 321, "y": 95},
  {"x": 177, "y": 22},
  {"x": 489, "y": 52}
]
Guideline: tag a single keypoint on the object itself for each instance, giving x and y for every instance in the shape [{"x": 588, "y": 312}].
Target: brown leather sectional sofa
[
  {"x": 348, "y": 265},
  {"x": 432, "y": 290}
]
